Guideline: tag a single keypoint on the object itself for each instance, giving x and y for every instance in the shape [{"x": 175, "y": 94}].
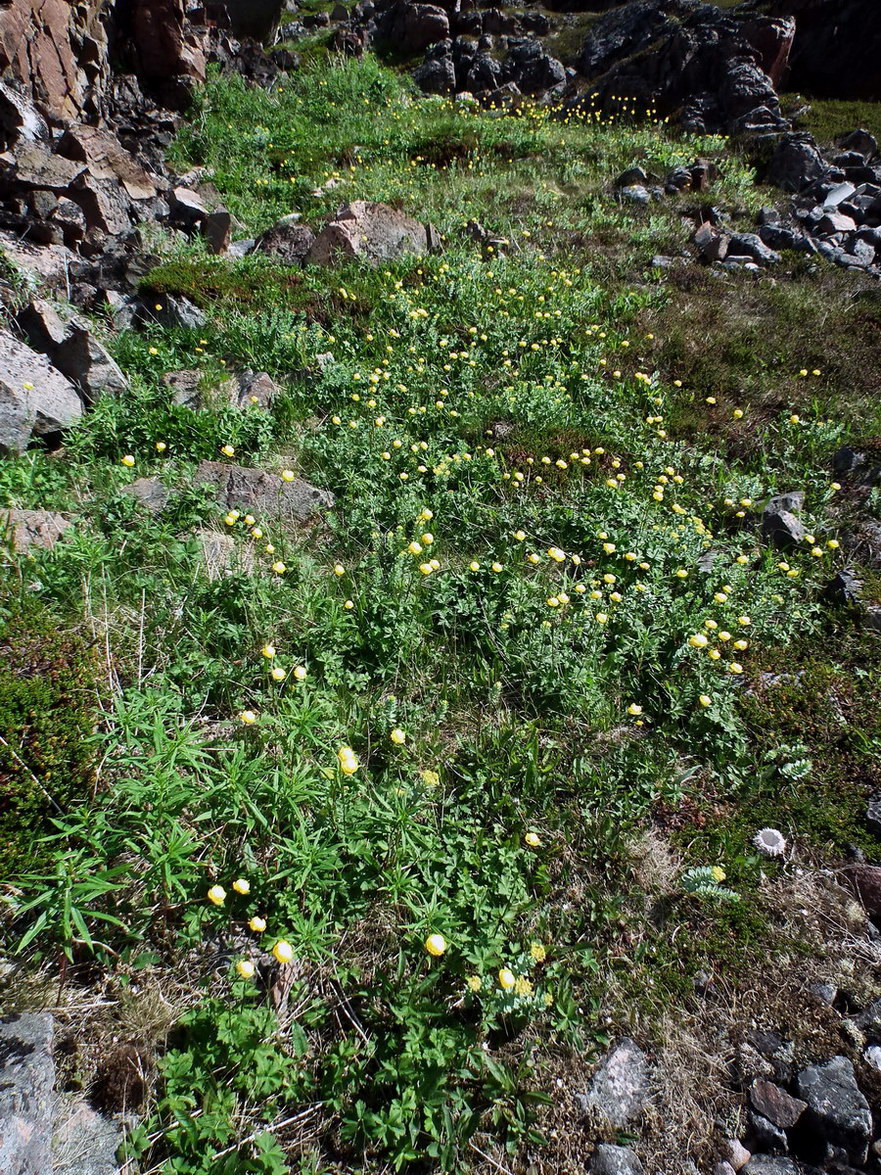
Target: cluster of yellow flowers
[{"x": 282, "y": 951}]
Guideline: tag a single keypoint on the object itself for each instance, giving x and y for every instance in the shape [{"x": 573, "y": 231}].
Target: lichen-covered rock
[
  {"x": 25, "y": 530},
  {"x": 263, "y": 494},
  {"x": 27, "y": 1101},
  {"x": 619, "y": 1090}
]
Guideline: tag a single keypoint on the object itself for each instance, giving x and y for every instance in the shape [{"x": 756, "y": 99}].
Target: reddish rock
[
  {"x": 776, "y": 1104},
  {"x": 107, "y": 159},
  {"x": 28, "y": 529},
  {"x": 375, "y": 232}
]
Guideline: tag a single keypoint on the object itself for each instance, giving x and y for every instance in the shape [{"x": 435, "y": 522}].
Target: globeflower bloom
[
  {"x": 241, "y": 885},
  {"x": 507, "y": 979},
  {"x": 257, "y": 924},
  {"x": 436, "y": 945},
  {"x": 283, "y": 951},
  {"x": 246, "y": 969},
  {"x": 398, "y": 736},
  {"x": 217, "y": 895},
  {"x": 533, "y": 840},
  {"x": 348, "y": 760},
  {"x": 248, "y": 717}
]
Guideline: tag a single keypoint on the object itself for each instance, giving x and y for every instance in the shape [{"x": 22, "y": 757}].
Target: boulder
[
  {"x": 288, "y": 240},
  {"x": 220, "y": 554},
  {"x": 256, "y": 389},
  {"x": 780, "y": 525},
  {"x": 35, "y": 399},
  {"x": 26, "y": 530},
  {"x": 35, "y": 166},
  {"x": 411, "y": 28},
  {"x": 770, "y": 1165},
  {"x": 796, "y": 162},
  {"x": 263, "y": 494},
  {"x": 27, "y": 1101},
  {"x": 619, "y": 1090},
  {"x": 169, "y": 58},
  {"x": 615, "y": 1160},
  {"x": 837, "y": 1111},
  {"x": 253, "y": 18},
  {"x": 751, "y": 245},
  {"x": 73, "y": 350},
  {"x": 188, "y": 209},
  {"x": 373, "y": 232},
  {"x": 148, "y": 492},
  {"x": 217, "y": 231},
  {"x": 106, "y": 206}
]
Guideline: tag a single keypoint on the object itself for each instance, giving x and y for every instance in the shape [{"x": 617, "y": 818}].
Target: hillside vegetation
[{"x": 372, "y": 838}]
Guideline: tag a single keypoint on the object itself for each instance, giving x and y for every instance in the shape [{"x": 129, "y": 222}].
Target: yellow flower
[
  {"x": 705, "y": 700},
  {"x": 288, "y": 475},
  {"x": 522, "y": 987},
  {"x": 474, "y": 983},
  {"x": 634, "y": 710},
  {"x": 338, "y": 569},
  {"x": 833, "y": 544},
  {"x": 737, "y": 413},
  {"x": 426, "y": 568},
  {"x": 279, "y": 568},
  {"x": 398, "y": 737},
  {"x": 698, "y": 641},
  {"x": 278, "y": 674},
  {"x": 741, "y": 645},
  {"x": 425, "y": 515},
  {"x": 414, "y": 548},
  {"x": 227, "y": 450},
  {"x": 720, "y": 597},
  {"x": 348, "y": 760},
  {"x": 128, "y": 460},
  {"x": 231, "y": 519},
  {"x": 497, "y": 567},
  {"x": 268, "y": 651},
  {"x": 430, "y": 778},
  {"x": 161, "y": 446},
  {"x": 519, "y": 535},
  {"x": 241, "y": 885},
  {"x": 601, "y": 618},
  {"x": 257, "y": 924},
  {"x": 436, "y": 945},
  {"x": 349, "y": 605},
  {"x": 246, "y": 969},
  {"x": 427, "y": 538},
  {"x": 474, "y": 565},
  {"x": 300, "y": 673},
  {"x": 283, "y": 951},
  {"x": 538, "y": 952},
  {"x": 682, "y": 573},
  {"x": 556, "y": 554},
  {"x": 713, "y": 654},
  {"x": 248, "y": 717},
  {"x": 533, "y": 840},
  {"x": 217, "y": 895},
  {"x": 507, "y": 979},
  {"x": 718, "y": 873},
  {"x": 735, "y": 667}
]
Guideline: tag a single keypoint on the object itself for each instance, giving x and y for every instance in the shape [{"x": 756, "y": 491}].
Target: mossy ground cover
[{"x": 418, "y": 745}]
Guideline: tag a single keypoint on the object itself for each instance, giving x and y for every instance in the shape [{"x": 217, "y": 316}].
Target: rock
[
  {"x": 104, "y": 203},
  {"x": 532, "y": 70},
  {"x": 837, "y": 50},
  {"x": 35, "y": 166},
  {"x": 619, "y": 1089},
  {"x": 770, "y": 1165},
  {"x": 287, "y": 240},
  {"x": 836, "y": 222},
  {"x": 873, "y": 1056},
  {"x": 20, "y": 121},
  {"x": 411, "y": 28},
  {"x": 107, "y": 159},
  {"x": 633, "y": 175},
  {"x": 148, "y": 492},
  {"x": 28, "y": 529},
  {"x": 723, "y": 1169},
  {"x": 263, "y": 493},
  {"x": 763, "y": 1135},
  {"x": 73, "y": 350},
  {"x": 85, "y": 1142},
  {"x": 254, "y": 18},
  {"x": 169, "y": 59},
  {"x": 779, "y": 523},
  {"x": 796, "y": 162},
  {"x": 217, "y": 231},
  {"x": 188, "y": 209},
  {"x": 869, "y": 1020},
  {"x": 615, "y": 1160},
  {"x": 35, "y": 399},
  {"x": 826, "y": 993},
  {"x": 242, "y": 248},
  {"x": 636, "y": 194},
  {"x": 258, "y": 389},
  {"x": 712, "y": 242},
  {"x": 865, "y": 882},
  {"x": 175, "y": 311},
  {"x": 437, "y": 73},
  {"x": 374, "y": 232},
  {"x": 775, "y": 1104},
  {"x": 27, "y": 1101},
  {"x": 873, "y": 813},
  {"x": 737, "y": 1154},
  {"x": 220, "y": 555},
  {"x": 837, "y": 1111},
  {"x": 861, "y": 141},
  {"x": 752, "y": 245}
]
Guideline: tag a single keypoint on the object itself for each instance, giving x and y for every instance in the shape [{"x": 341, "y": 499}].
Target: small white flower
[{"x": 770, "y": 842}]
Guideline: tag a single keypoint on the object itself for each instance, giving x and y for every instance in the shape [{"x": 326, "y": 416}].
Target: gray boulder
[
  {"x": 288, "y": 240},
  {"x": 27, "y": 1101},
  {"x": 370, "y": 231},
  {"x": 837, "y": 1110},
  {"x": 263, "y": 494},
  {"x": 35, "y": 399},
  {"x": 71, "y": 347},
  {"x": 619, "y": 1090},
  {"x": 780, "y": 525},
  {"x": 615, "y": 1160},
  {"x": 770, "y": 1165}
]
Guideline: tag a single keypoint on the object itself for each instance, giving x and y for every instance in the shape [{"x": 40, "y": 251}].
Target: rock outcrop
[{"x": 36, "y": 401}]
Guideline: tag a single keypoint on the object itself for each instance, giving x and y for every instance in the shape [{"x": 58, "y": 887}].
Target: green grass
[
  {"x": 581, "y": 669},
  {"x": 830, "y": 119}
]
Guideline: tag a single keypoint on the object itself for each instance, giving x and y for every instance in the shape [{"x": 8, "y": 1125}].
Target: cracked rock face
[{"x": 35, "y": 399}]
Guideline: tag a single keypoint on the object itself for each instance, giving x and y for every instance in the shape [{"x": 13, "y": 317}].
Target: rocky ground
[{"x": 93, "y": 98}]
